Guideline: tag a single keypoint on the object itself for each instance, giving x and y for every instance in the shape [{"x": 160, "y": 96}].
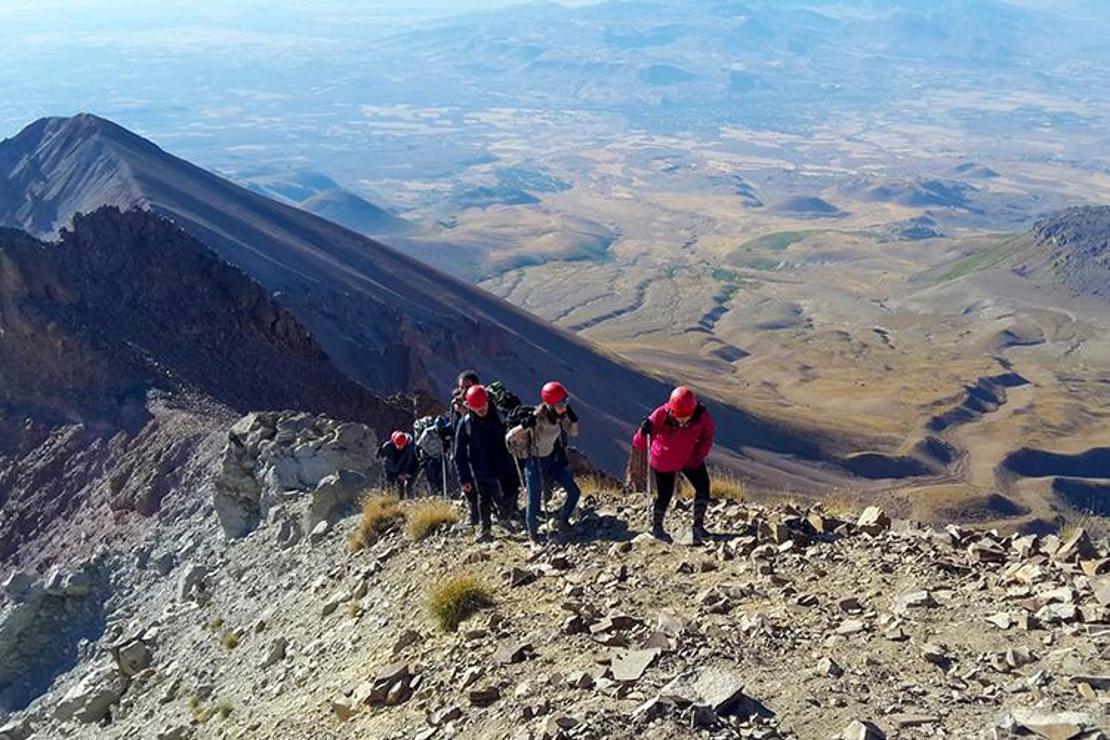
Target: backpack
[
  {"x": 519, "y": 442},
  {"x": 516, "y": 416},
  {"x": 504, "y": 399},
  {"x": 519, "y": 438},
  {"x": 427, "y": 436}
]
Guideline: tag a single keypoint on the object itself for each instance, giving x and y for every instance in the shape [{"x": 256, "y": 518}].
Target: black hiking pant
[
  {"x": 664, "y": 486},
  {"x": 484, "y": 497},
  {"x": 403, "y": 488},
  {"x": 433, "y": 471}
]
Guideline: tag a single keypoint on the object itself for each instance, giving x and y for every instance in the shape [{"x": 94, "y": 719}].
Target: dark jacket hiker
[
  {"x": 401, "y": 464},
  {"x": 485, "y": 468}
]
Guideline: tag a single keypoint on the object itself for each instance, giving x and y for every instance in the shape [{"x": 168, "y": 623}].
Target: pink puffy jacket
[{"x": 673, "y": 447}]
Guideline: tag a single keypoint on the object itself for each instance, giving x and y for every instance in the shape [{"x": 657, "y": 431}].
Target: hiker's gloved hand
[
  {"x": 529, "y": 421},
  {"x": 645, "y": 427},
  {"x": 571, "y": 415}
]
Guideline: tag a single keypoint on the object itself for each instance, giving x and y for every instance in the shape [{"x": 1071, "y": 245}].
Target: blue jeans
[{"x": 536, "y": 470}]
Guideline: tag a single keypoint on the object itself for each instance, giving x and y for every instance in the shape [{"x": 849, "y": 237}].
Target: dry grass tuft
[
  {"x": 453, "y": 600},
  {"x": 354, "y": 609},
  {"x": 229, "y": 640},
  {"x": 1098, "y": 527},
  {"x": 592, "y": 485},
  {"x": 840, "y": 506},
  {"x": 379, "y": 514},
  {"x": 424, "y": 518},
  {"x": 728, "y": 488},
  {"x": 201, "y": 713}
]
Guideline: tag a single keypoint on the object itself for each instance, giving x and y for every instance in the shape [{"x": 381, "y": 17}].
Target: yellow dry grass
[
  {"x": 839, "y": 505},
  {"x": 424, "y": 518},
  {"x": 379, "y": 514},
  {"x": 593, "y": 485},
  {"x": 453, "y": 600},
  {"x": 728, "y": 488}
]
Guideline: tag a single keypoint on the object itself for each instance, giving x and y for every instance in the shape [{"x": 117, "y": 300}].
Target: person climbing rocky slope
[{"x": 793, "y": 622}]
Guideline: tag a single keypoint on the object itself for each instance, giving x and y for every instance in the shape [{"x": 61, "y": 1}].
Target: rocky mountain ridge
[
  {"x": 793, "y": 622},
  {"x": 1078, "y": 244},
  {"x": 127, "y": 347}
]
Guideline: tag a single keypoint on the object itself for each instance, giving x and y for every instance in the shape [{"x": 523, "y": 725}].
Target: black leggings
[
  {"x": 403, "y": 488},
  {"x": 664, "y": 485}
]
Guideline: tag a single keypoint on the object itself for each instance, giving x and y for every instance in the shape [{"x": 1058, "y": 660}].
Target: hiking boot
[
  {"x": 563, "y": 530},
  {"x": 484, "y": 535},
  {"x": 657, "y": 530},
  {"x": 699, "y": 534},
  {"x": 537, "y": 538}
]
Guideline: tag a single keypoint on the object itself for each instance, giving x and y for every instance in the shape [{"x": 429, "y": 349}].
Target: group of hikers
[{"x": 489, "y": 440}]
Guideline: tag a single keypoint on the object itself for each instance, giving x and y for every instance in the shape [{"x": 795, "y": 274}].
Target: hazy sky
[{"x": 99, "y": 13}]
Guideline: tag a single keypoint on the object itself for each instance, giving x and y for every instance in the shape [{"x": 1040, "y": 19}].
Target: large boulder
[
  {"x": 335, "y": 496},
  {"x": 40, "y": 635},
  {"x": 92, "y": 697},
  {"x": 271, "y": 457}
]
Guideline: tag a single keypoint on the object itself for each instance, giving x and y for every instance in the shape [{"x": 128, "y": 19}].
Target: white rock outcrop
[{"x": 273, "y": 458}]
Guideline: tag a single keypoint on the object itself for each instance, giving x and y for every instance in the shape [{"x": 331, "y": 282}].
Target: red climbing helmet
[
  {"x": 400, "y": 439},
  {"x": 553, "y": 393},
  {"x": 476, "y": 397},
  {"x": 683, "y": 402}
]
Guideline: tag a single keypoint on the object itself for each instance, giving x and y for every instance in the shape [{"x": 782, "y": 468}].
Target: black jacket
[
  {"x": 398, "y": 461},
  {"x": 480, "y": 450}
]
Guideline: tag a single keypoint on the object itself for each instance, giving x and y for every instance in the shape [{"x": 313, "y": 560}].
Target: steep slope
[
  {"x": 125, "y": 344},
  {"x": 1069, "y": 248},
  {"x": 125, "y": 302},
  {"x": 384, "y": 318},
  {"x": 1073, "y": 247},
  {"x": 796, "y": 624}
]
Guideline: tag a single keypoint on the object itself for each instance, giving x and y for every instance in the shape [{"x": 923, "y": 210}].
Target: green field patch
[
  {"x": 766, "y": 264},
  {"x": 980, "y": 260},
  {"x": 777, "y": 241}
]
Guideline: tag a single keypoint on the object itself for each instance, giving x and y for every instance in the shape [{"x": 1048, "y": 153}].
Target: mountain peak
[
  {"x": 61, "y": 133},
  {"x": 74, "y": 165}
]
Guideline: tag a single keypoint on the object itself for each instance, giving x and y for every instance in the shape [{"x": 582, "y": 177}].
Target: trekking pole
[
  {"x": 519, "y": 478},
  {"x": 443, "y": 467}
]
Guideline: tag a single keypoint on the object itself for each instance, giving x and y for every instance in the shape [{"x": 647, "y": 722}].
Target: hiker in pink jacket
[{"x": 681, "y": 433}]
